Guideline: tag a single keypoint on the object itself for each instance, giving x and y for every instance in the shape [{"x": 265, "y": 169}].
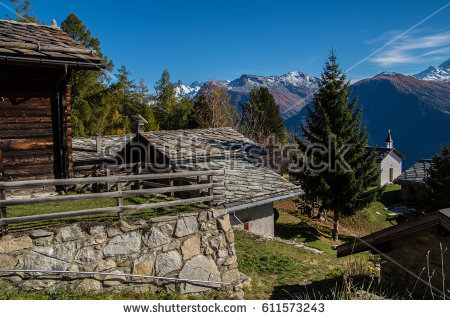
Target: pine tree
[
  {"x": 342, "y": 172},
  {"x": 437, "y": 182},
  {"x": 260, "y": 117},
  {"x": 171, "y": 111},
  {"x": 212, "y": 108},
  {"x": 24, "y": 11}
]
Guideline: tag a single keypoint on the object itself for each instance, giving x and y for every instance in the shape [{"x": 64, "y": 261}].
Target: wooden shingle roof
[{"x": 22, "y": 42}]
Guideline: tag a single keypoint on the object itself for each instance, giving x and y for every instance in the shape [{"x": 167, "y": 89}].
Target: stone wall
[
  {"x": 196, "y": 246},
  {"x": 411, "y": 253}
]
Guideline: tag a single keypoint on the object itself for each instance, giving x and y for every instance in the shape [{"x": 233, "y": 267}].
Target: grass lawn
[{"x": 281, "y": 271}]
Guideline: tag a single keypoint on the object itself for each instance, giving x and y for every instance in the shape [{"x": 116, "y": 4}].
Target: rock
[
  {"x": 167, "y": 229},
  {"x": 219, "y": 212},
  {"x": 230, "y": 237},
  {"x": 144, "y": 265},
  {"x": 199, "y": 268},
  {"x": 217, "y": 242},
  {"x": 43, "y": 242},
  {"x": 223, "y": 253},
  {"x": 38, "y": 261},
  {"x": 96, "y": 239},
  {"x": 63, "y": 251},
  {"x": 113, "y": 280},
  {"x": 174, "y": 245},
  {"x": 224, "y": 223},
  {"x": 69, "y": 233},
  {"x": 230, "y": 261},
  {"x": 186, "y": 226},
  {"x": 231, "y": 276},
  {"x": 100, "y": 266},
  {"x": 245, "y": 280},
  {"x": 97, "y": 229},
  {"x": 88, "y": 255},
  {"x": 112, "y": 232},
  {"x": 203, "y": 216},
  {"x": 123, "y": 244},
  {"x": 125, "y": 227},
  {"x": 15, "y": 244},
  {"x": 7, "y": 262},
  {"x": 89, "y": 285},
  {"x": 190, "y": 247},
  {"x": 40, "y": 233},
  {"x": 155, "y": 238},
  {"x": 167, "y": 262}
]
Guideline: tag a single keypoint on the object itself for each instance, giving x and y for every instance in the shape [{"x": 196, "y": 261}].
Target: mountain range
[{"x": 416, "y": 108}]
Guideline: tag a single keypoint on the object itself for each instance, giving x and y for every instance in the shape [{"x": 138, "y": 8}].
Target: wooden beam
[
  {"x": 118, "y": 178},
  {"x": 69, "y": 214}
]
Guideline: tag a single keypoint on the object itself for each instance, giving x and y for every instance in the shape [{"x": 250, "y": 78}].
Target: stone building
[
  {"x": 35, "y": 124},
  {"x": 412, "y": 180},
  {"x": 389, "y": 162},
  {"x": 249, "y": 190},
  {"x": 409, "y": 253}
]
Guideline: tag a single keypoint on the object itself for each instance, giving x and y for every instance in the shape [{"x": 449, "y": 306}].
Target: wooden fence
[{"x": 141, "y": 181}]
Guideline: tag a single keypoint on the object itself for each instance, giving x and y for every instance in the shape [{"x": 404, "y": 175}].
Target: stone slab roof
[
  {"x": 381, "y": 153},
  {"x": 24, "y": 42},
  {"x": 84, "y": 150},
  {"x": 246, "y": 179},
  {"x": 416, "y": 174}
]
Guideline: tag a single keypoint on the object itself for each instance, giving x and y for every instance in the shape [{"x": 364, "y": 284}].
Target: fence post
[
  {"x": 120, "y": 199},
  {"x": 172, "y": 194},
  {"x": 199, "y": 181},
  {"x": 3, "y": 214},
  {"x": 137, "y": 183},
  {"x": 108, "y": 184},
  {"x": 210, "y": 189}
]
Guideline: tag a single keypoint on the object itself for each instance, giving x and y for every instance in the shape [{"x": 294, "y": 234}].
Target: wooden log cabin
[{"x": 36, "y": 63}]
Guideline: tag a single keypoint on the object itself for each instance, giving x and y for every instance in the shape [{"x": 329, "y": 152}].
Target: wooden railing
[{"x": 119, "y": 181}]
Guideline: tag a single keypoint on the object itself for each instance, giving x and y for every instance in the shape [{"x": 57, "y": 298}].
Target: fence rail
[{"x": 119, "y": 180}]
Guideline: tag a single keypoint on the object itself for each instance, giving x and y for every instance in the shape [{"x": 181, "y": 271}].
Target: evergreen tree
[
  {"x": 341, "y": 171},
  {"x": 437, "y": 182},
  {"x": 171, "y": 111},
  {"x": 212, "y": 108},
  {"x": 24, "y": 11},
  {"x": 260, "y": 117}
]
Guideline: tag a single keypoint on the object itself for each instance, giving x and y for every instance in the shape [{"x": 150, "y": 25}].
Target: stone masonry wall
[
  {"x": 411, "y": 253},
  {"x": 196, "y": 246}
]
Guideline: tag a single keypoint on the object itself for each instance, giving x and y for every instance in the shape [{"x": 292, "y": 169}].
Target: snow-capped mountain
[
  {"x": 292, "y": 91},
  {"x": 440, "y": 73}
]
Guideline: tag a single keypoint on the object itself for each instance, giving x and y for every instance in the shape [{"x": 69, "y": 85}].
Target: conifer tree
[
  {"x": 260, "y": 117},
  {"x": 24, "y": 11},
  {"x": 341, "y": 171},
  {"x": 437, "y": 182}
]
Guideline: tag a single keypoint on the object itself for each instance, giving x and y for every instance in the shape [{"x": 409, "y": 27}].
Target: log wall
[{"x": 29, "y": 138}]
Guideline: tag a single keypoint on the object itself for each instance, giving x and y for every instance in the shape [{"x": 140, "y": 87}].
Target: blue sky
[{"x": 201, "y": 40}]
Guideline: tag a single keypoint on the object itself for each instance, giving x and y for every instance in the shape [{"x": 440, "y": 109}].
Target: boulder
[
  {"x": 224, "y": 223},
  {"x": 167, "y": 262},
  {"x": 15, "y": 244},
  {"x": 230, "y": 237},
  {"x": 144, "y": 265},
  {"x": 7, "y": 262},
  {"x": 186, "y": 226},
  {"x": 40, "y": 233},
  {"x": 112, "y": 232},
  {"x": 89, "y": 285},
  {"x": 199, "y": 268},
  {"x": 97, "y": 229},
  {"x": 155, "y": 238},
  {"x": 88, "y": 255},
  {"x": 124, "y": 244},
  {"x": 190, "y": 247},
  {"x": 231, "y": 276},
  {"x": 217, "y": 242},
  {"x": 38, "y": 261},
  {"x": 96, "y": 239},
  {"x": 69, "y": 233},
  {"x": 63, "y": 251}
]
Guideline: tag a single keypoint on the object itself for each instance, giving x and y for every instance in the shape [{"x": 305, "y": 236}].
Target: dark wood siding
[{"x": 29, "y": 134}]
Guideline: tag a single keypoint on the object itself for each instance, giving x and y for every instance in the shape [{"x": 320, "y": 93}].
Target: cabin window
[{"x": 247, "y": 225}]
